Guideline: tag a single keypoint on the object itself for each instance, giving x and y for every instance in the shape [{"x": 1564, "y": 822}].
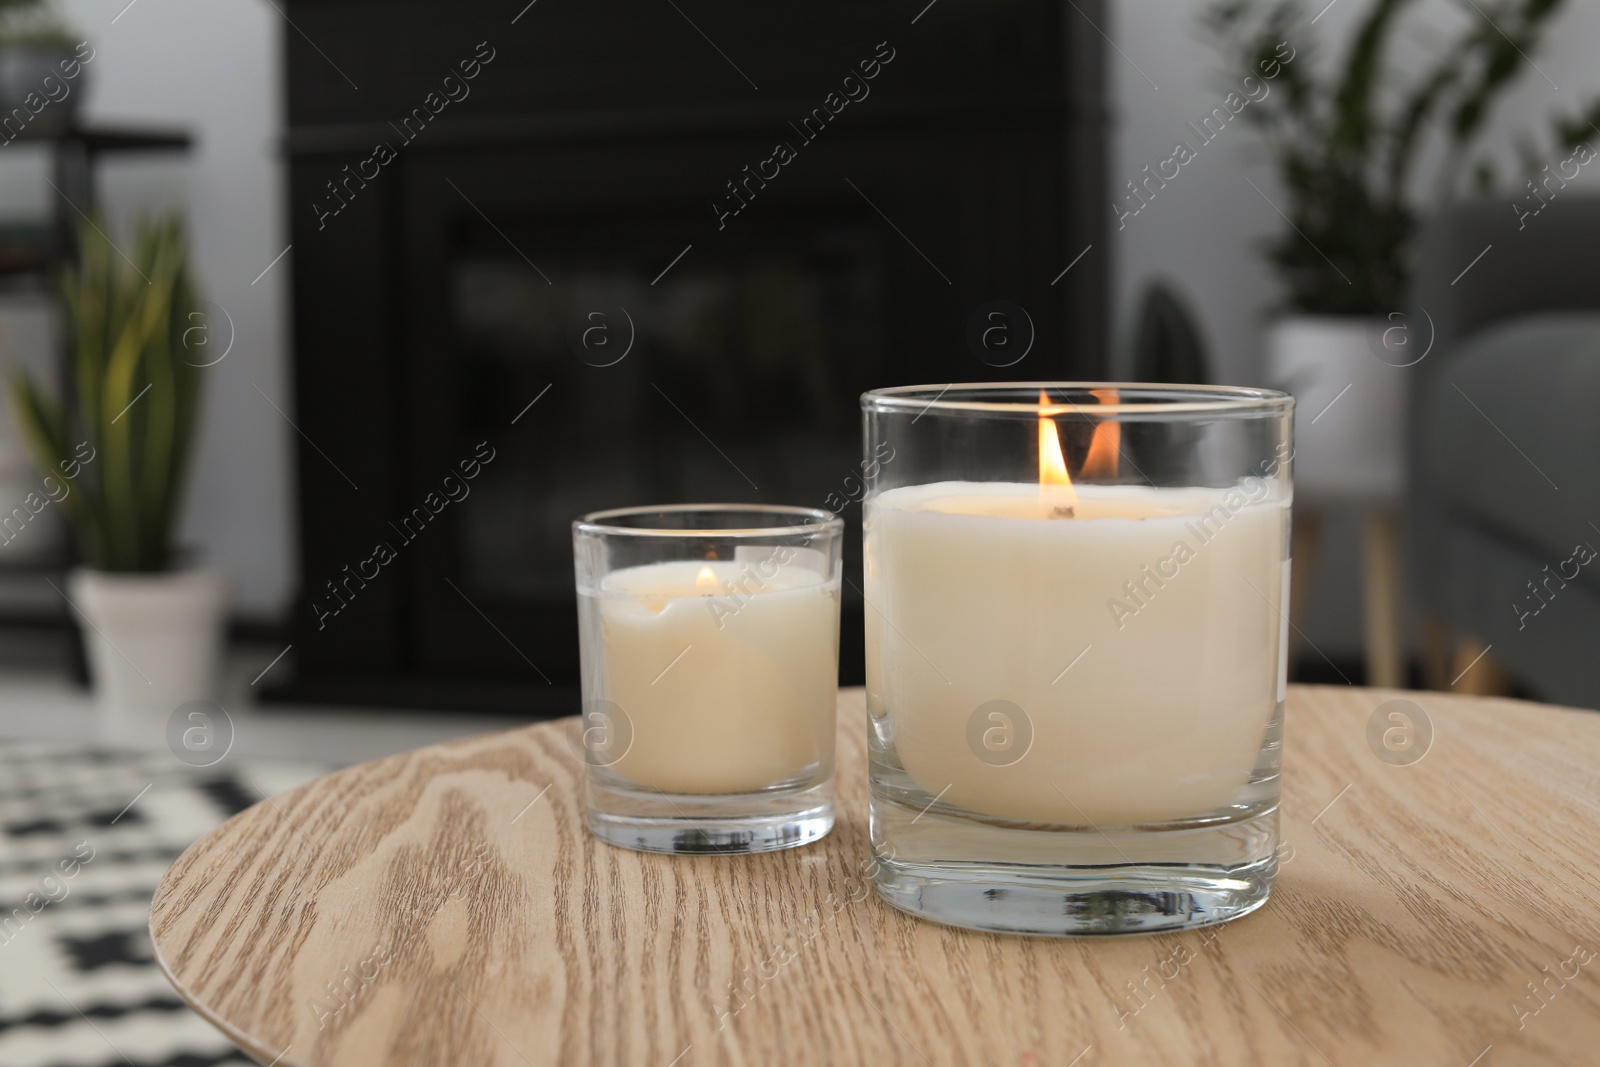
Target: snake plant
[{"x": 134, "y": 395}]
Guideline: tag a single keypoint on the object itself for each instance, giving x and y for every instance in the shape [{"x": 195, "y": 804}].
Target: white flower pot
[
  {"x": 154, "y": 644},
  {"x": 1350, "y": 386}
]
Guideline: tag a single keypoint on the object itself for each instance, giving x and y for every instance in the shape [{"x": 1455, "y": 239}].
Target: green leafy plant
[
  {"x": 135, "y": 396},
  {"x": 35, "y": 23},
  {"x": 1347, "y": 144}
]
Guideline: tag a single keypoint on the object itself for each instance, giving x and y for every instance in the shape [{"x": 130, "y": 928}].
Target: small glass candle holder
[
  {"x": 709, "y": 639},
  {"x": 1076, "y": 637}
]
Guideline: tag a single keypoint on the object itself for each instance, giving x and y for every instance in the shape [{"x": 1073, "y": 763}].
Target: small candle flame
[
  {"x": 1106, "y": 444},
  {"x": 705, "y": 583},
  {"x": 1052, "y": 465}
]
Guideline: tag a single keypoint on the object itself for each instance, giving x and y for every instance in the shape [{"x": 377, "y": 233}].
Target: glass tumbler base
[
  {"x": 1199, "y": 876},
  {"x": 717, "y": 824},
  {"x": 764, "y": 833}
]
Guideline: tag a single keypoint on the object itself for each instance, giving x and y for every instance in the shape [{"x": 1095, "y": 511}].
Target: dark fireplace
[{"x": 562, "y": 257}]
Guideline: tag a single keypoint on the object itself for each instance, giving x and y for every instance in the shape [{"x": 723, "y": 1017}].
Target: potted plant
[
  {"x": 1347, "y": 141},
  {"x": 40, "y": 57},
  {"x": 117, "y": 453}
]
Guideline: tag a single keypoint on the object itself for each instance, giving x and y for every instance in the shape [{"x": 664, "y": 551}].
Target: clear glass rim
[
  {"x": 1149, "y": 399},
  {"x": 816, "y": 520}
]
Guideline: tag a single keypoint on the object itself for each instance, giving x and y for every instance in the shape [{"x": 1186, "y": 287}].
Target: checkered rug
[{"x": 85, "y": 835}]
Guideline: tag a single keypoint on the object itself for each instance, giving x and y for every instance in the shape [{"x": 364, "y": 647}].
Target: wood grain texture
[{"x": 455, "y": 894}]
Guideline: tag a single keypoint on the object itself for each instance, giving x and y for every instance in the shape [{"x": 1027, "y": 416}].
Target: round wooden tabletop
[{"x": 446, "y": 906}]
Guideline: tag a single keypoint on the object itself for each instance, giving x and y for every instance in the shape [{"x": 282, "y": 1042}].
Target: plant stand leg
[
  {"x": 1385, "y": 651},
  {"x": 1476, "y": 673},
  {"x": 1436, "y": 659},
  {"x": 1303, "y": 553}
]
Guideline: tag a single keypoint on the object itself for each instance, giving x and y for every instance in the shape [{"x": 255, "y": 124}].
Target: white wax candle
[
  {"x": 990, "y": 591},
  {"x": 726, "y": 670}
]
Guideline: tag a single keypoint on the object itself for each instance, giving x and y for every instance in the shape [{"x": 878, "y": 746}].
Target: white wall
[{"x": 212, "y": 66}]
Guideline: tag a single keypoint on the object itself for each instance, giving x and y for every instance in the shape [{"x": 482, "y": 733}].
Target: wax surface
[
  {"x": 980, "y": 592},
  {"x": 727, "y": 688}
]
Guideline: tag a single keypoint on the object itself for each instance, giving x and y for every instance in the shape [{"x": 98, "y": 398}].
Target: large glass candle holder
[
  {"x": 709, "y": 638},
  {"x": 1076, "y": 625}
]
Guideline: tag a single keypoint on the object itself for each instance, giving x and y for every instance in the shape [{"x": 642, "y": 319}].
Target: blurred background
[
  {"x": 392, "y": 266},
  {"x": 323, "y": 319}
]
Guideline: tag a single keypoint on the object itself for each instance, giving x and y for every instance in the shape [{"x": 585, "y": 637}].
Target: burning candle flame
[
  {"x": 1105, "y": 446},
  {"x": 705, "y": 583},
  {"x": 1052, "y": 465}
]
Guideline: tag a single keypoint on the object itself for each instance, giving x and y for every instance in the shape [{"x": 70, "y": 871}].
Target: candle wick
[{"x": 1060, "y": 512}]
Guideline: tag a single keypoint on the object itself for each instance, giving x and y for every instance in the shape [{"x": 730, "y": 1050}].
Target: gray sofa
[{"x": 1504, "y": 439}]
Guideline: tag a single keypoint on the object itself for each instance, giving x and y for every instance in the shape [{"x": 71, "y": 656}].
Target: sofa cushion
[
  {"x": 1509, "y": 437},
  {"x": 1546, "y": 639}
]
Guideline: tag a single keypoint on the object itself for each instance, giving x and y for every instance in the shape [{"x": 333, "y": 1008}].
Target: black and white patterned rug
[{"x": 85, "y": 835}]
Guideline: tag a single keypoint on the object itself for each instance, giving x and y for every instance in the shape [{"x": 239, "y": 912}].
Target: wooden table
[{"x": 454, "y": 895}]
